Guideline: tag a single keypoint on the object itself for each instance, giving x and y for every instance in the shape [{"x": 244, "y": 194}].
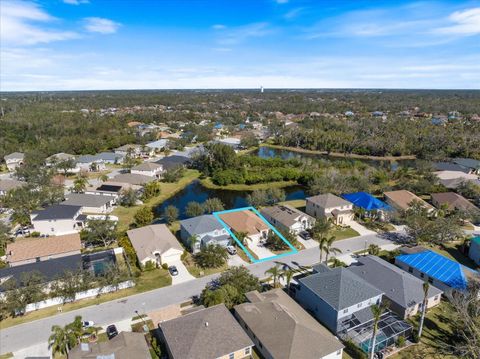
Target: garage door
[{"x": 170, "y": 257}]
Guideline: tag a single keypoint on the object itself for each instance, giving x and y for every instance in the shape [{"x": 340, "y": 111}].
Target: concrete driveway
[
  {"x": 236, "y": 260},
  {"x": 309, "y": 243},
  {"x": 183, "y": 274},
  {"x": 363, "y": 231}
]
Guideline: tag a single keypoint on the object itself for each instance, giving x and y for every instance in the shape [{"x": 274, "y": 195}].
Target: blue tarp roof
[
  {"x": 366, "y": 201},
  {"x": 439, "y": 267}
]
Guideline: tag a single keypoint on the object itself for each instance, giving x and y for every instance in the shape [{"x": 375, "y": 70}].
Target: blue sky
[{"x": 108, "y": 44}]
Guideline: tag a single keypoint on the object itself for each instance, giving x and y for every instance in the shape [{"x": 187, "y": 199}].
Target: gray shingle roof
[
  {"x": 132, "y": 178},
  {"x": 284, "y": 328},
  {"x": 397, "y": 285},
  {"x": 147, "y": 166},
  {"x": 328, "y": 200},
  {"x": 285, "y": 215},
  {"x": 87, "y": 200},
  {"x": 57, "y": 211},
  {"x": 205, "y": 334},
  {"x": 201, "y": 224},
  {"x": 340, "y": 288}
]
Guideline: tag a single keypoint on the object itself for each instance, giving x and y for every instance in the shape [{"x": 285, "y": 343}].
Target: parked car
[
  {"x": 112, "y": 331},
  {"x": 88, "y": 323},
  {"x": 305, "y": 235},
  {"x": 231, "y": 250},
  {"x": 173, "y": 270}
]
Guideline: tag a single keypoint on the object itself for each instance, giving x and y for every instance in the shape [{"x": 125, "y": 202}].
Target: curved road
[{"x": 37, "y": 332}]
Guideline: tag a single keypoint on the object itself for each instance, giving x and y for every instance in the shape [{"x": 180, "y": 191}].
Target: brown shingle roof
[
  {"x": 453, "y": 201},
  {"x": 328, "y": 200},
  {"x": 284, "y": 328},
  {"x": 31, "y": 248},
  {"x": 403, "y": 198},
  {"x": 149, "y": 239},
  {"x": 244, "y": 221}
]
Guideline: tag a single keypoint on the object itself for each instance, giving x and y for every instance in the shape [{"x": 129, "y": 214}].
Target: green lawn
[
  {"x": 125, "y": 214},
  {"x": 196, "y": 271},
  {"x": 342, "y": 232},
  {"x": 437, "y": 331},
  {"x": 147, "y": 281},
  {"x": 6, "y": 356},
  {"x": 296, "y": 203},
  {"x": 245, "y": 187}
]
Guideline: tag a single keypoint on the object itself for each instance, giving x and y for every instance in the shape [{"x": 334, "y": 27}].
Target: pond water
[
  {"x": 269, "y": 152},
  {"x": 231, "y": 199}
]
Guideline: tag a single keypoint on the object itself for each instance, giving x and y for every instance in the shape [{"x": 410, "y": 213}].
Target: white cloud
[
  {"x": 466, "y": 22},
  {"x": 218, "y": 27},
  {"x": 293, "y": 13},
  {"x": 281, "y": 1},
  {"x": 76, "y": 2},
  {"x": 101, "y": 25},
  {"x": 23, "y": 23},
  {"x": 242, "y": 33}
]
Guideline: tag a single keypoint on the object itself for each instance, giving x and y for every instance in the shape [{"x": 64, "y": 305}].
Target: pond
[
  {"x": 270, "y": 152},
  {"x": 231, "y": 199}
]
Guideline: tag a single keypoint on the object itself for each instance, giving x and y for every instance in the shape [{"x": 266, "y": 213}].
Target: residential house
[
  {"x": 209, "y": 333},
  {"x": 247, "y": 222},
  {"x": 173, "y": 161},
  {"x": 288, "y": 219},
  {"x": 452, "y": 201},
  {"x": 90, "y": 163},
  {"x": 453, "y": 179},
  {"x": 90, "y": 203},
  {"x": 440, "y": 271},
  {"x": 282, "y": 329},
  {"x": 49, "y": 270},
  {"x": 155, "y": 243},
  {"x": 331, "y": 207},
  {"x": 403, "y": 291},
  {"x": 402, "y": 200},
  {"x": 150, "y": 169},
  {"x": 474, "y": 251},
  {"x": 337, "y": 296},
  {"x": 449, "y": 166},
  {"x": 107, "y": 189},
  {"x": 207, "y": 229},
  {"x": 473, "y": 166},
  {"x": 125, "y": 345},
  {"x": 31, "y": 250},
  {"x": 231, "y": 141},
  {"x": 110, "y": 158},
  {"x": 131, "y": 150},
  {"x": 57, "y": 220},
  {"x": 58, "y": 158},
  {"x": 366, "y": 201},
  {"x": 9, "y": 184},
  {"x": 133, "y": 178},
  {"x": 158, "y": 145},
  {"x": 13, "y": 160}
]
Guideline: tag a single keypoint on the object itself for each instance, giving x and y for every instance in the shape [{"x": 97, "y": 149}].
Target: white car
[
  {"x": 88, "y": 323},
  {"x": 231, "y": 250}
]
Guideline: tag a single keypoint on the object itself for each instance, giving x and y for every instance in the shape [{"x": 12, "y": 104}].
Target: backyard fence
[{"x": 80, "y": 295}]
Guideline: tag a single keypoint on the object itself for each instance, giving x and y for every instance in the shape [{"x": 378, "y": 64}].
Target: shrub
[
  {"x": 35, "y": 234},
  {"x": 353, "y": 350},
  {"x": 150, "y": 265},
  {"x": 401, "y": 341},
  {"x": 165, "y": 266}
]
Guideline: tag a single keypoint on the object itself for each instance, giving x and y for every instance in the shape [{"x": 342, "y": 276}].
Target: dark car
[
  {"x": 305, "y": 235},
  {"x": 112, "y": 331},
  {"x": 173, "y": 270}
]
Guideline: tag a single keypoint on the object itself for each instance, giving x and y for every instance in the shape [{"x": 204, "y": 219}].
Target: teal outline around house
[{"x": 244, "y": 248}]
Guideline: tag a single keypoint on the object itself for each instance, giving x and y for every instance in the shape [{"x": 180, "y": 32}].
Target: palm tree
[
  {"x": 103, "y": 177},
  {"x": 373, "y": 249},
  {"x": 321, "y": 245},
  {"x": 377, "y": 311},
  {"x": 275, "y": 273},
  {"x": 287, "y": 274},
  {"x": 329, "y": 249},
  {"x": 192, "y": 241},
  {"x": 426, "y": 287},
  {"x": 80, "y": 184},
  {"x": 336, "y": 262},
  {"x": 61, "y": 340}
]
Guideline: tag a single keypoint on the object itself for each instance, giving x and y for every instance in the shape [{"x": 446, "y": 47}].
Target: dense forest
[{"x": 83, "y": 122}]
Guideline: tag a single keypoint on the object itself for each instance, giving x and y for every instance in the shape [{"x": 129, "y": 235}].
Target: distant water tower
[{"x": 261, "y": 89}]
